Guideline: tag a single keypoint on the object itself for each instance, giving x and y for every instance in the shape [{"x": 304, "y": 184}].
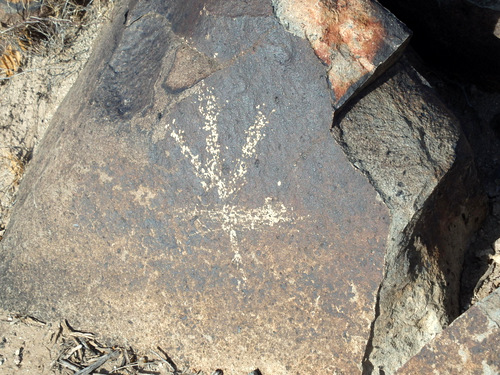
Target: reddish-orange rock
[{"x": 353, "y": 38}]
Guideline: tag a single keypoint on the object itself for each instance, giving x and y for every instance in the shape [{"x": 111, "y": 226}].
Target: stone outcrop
[
  {"x": 411, "y": 148},
  {"x": 356, "y": 40},
  {"x": 189, "y": 193}
]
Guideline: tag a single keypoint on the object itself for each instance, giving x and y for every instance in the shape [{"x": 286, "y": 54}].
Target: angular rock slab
[
  {"x": 468, "y": 346},
  {"x": 356, "y": 39},
  {"x": 197, "y": 201}
]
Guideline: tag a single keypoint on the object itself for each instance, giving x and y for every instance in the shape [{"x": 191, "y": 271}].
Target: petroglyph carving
[{"x": 233, "y": 218}]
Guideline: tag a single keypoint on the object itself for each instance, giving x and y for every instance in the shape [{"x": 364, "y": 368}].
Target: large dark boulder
[
  {"x": 189, "y": 194},
  {"x": 411, "y": 147}
]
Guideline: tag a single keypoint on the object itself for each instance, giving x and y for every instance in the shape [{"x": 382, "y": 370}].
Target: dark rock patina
[{"x": 189, "y": 194}]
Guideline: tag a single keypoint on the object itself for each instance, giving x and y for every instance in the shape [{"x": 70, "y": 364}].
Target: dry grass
[
  {"x": 17, "y": 161},
  {"x": 13, "y": 160},
  {"x": 37, "y": 26},
  {"x": 10, "y": 61}
]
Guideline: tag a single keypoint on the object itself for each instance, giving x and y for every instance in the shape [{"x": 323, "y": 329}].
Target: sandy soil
[{"x": 29, "y": 346}]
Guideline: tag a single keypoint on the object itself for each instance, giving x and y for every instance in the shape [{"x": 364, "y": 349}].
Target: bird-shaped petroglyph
[{"x": 233, "y": 218}]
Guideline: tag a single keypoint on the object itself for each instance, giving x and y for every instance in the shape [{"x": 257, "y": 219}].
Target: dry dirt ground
[
  {"x": 35, "y": 75},
  {"x": 29, "y": 346}
]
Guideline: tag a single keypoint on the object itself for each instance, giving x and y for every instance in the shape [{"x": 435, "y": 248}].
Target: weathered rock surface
[
  {"x": 468, "y": 346},
  {"x": 353, "y": 38},
  {"x": 189, "y": 194},
  {"x": 410, "y": 146}
]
